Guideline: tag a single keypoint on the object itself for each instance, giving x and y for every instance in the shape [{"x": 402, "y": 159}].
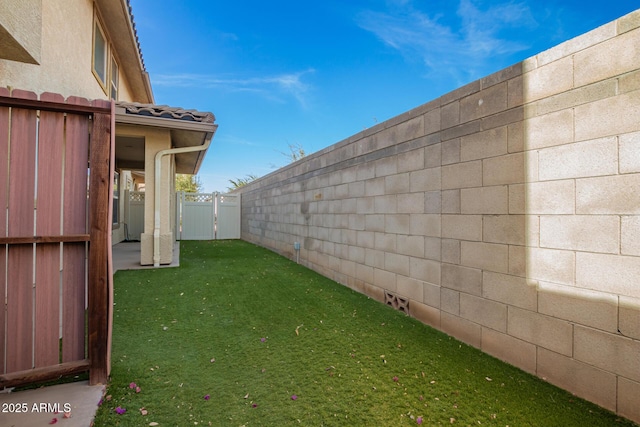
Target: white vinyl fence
[
  {"x": 134, "y": 214},
  {"x": 207, "y": 216},
  {"x": 199, "y": 216}
]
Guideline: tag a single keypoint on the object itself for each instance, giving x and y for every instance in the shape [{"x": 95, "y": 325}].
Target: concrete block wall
[{"x": 507, "y": 212}]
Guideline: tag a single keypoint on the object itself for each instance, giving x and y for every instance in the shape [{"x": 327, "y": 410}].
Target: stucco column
[{"x": 154, "y": 142}]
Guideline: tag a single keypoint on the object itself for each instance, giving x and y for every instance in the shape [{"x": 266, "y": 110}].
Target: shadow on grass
[{"x": 241, "y": 336}]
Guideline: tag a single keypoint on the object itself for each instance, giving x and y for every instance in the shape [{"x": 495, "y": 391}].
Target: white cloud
[
  {"x": 229, "y": 36},
  {"x": 276, "y": 87},
  {"x": 461, "y": 43}
]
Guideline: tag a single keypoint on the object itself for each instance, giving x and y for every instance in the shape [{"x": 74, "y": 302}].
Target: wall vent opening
[{"x": 397, "y": 302}]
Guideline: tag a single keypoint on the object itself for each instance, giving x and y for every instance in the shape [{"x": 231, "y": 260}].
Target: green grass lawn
[{"x": 240, "y": 336}]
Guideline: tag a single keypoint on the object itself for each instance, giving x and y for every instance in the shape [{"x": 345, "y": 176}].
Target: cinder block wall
[{"x": 506, "y": 213}]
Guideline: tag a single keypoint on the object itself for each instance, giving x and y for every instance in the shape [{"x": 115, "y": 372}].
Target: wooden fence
[{"x": 55, "y": 181}]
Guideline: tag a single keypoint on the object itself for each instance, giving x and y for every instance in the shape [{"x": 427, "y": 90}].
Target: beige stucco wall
[
  {"x": 156, "y": 139},
  {"x": 61, "y": 70},
  {"x": 160, "y": 140},
  {"x": 21, "y": 30},
  {"x": 507, "y": 214}
]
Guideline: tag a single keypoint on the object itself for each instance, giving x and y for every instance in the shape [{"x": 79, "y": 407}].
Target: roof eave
[
  {"x": 161, "y": 122},
  {"x": 184, "y": 133}
]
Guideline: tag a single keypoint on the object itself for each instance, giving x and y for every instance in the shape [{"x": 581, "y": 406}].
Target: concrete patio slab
[
  {"x": 126, "y": 256},
  {"x": 39, "y": 407}
]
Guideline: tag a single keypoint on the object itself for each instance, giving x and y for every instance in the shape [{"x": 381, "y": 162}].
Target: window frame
[
  {"x": 114, "y": 78},
  {"x": 110, "y": 84},
  {"x": 97, "y": 30},
  {"x": 115, "y": 221}
]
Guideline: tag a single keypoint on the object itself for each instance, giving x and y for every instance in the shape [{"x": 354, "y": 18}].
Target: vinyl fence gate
[
  {"x": 207, "y": 216},
  {"x": 134, "y": 214}
]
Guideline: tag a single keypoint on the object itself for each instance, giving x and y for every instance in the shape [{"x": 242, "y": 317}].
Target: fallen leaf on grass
[
  {"x": 153, "y": 424},
  {"x": 297, "y": 329},
  {"x": 488, "y": 379},
  {"x": 246, "y": 396},
  {"x": 143, "y": 411}
]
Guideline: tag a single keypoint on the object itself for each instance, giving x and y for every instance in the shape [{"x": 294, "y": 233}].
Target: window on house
[
  {"x": 105, "y": 67},
  {"x": 116, "y": 199},
  {"x": 114, "y": 79},
  {"x": 100, "y": 50}
]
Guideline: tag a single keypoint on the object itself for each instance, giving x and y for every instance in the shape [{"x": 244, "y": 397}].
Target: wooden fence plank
[
  {"x": 48, "y": 217},
  {"x": 21, "y": 209},
  {"x": 19, "y": 308},
  {"x": 74, "y": 222},
  {"x": 73, "y": 290},
  {"x": 99, "y": 228},
  {"x": 3, "y": 288},
  {"x": 4, "y": 168},
  {"x": 47, "y": 314}
]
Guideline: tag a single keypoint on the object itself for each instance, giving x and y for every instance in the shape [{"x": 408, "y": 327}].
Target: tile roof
[{"x": 164, "y": 111}]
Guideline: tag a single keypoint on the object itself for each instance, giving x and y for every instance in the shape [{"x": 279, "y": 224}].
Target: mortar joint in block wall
[{"x": 397, "y": 302}]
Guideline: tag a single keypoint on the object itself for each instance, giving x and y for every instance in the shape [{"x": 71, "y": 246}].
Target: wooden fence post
[{"x": 99, "y": 227}]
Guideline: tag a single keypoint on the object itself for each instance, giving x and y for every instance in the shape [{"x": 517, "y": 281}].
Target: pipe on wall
[{"x": 156, "y": 196}]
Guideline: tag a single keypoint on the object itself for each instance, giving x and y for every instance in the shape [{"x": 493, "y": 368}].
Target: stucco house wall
[
  {"x": 60, "y": 69},
  {"x": 505, "y": 213}
]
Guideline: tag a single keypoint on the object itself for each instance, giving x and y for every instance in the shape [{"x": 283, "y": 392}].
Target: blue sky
[{"x": 295, "y": 73}]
